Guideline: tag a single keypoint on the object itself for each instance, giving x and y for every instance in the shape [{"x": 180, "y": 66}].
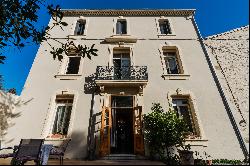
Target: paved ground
[{"x": 95, "y": 162}]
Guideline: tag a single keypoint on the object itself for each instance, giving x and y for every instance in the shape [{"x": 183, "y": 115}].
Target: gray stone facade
[{"x": 229, "y": 52}]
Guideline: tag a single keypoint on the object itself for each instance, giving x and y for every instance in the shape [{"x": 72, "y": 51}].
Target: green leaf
[
  {"x": 21, "y": 45},
  {"x": 2, "y": 58}
]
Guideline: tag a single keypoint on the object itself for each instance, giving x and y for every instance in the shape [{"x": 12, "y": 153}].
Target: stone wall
[{"x": 229, "y": 53}]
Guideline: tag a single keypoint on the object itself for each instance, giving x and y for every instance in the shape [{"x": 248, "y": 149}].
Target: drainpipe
[{"x": 225, "y": 102}]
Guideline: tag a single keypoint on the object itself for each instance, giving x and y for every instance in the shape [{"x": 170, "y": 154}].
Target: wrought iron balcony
[{"x": 130, "y": 73}]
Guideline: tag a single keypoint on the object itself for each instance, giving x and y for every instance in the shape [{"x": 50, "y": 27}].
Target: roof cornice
[
  {"x": 111, "y": 12},
  {"x": 228, "y": 32}
]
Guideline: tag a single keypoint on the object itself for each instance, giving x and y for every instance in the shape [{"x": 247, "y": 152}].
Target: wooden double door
[{"x": 121, "y": 127}]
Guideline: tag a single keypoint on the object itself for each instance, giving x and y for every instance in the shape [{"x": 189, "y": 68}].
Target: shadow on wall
[
  {"x": 77, "y": 147},
  {"x": 95, "y": 136},
  {"x": 90, "y": 87},
  {"x": 8, "y": 104}
]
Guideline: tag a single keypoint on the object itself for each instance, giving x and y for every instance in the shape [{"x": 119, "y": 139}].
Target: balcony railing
[{"x": 129, "y": 73}]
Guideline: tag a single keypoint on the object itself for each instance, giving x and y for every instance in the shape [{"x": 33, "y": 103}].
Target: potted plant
[{"x": 186, "y": 155}]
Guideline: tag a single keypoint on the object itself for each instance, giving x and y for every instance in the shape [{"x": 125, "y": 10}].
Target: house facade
[{"x": 144, "y": 57}]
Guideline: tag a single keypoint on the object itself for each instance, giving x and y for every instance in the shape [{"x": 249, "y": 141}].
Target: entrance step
[{"x": 123, "y": 157}]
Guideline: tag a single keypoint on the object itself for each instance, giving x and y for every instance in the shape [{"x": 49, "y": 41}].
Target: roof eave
[{"x": 112, "y": 12}]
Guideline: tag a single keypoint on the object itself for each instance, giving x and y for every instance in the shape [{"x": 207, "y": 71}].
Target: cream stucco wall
[{"x": 41, "y": 85}]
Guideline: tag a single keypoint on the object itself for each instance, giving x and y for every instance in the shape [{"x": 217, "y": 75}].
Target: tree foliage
[
  {"x": 17, "y": 27},
  {"x": 163, "y": 129},
  {"x": 1, "y": 82}
]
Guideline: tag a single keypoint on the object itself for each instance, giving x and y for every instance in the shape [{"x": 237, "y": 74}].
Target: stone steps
[{"x": 123, "y": 157}]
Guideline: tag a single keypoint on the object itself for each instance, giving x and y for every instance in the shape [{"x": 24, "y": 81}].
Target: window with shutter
[
  {"x": 63, "y": 114},
  {"x": 121, "y": 27},
  {"x": 171, "y": 63},
  {"x": 80, "y": 27},
  {"x": 164, "y": 27}
]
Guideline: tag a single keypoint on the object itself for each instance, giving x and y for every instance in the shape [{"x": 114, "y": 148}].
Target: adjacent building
[
  {"x": 144, "y": 56},
  {"x": 229, "y": 52}
]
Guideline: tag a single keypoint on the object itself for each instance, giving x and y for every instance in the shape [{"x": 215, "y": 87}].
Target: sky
[{"x": 212, "y": 17}]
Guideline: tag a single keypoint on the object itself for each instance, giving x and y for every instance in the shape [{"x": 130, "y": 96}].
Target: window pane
[
  {"x": 121, "y": 27},
  {"x": 73, "y": 65},
  {"x": 168, "y": 30},
  {"x": 122, "y": 101},
  {"x": 176, "y": 109},
  {"x": 66, "y": 119},
  {"x": 164, "y": 27},
  {"x": 80, "y": 27},
  {"x": 121, "y": 66},
  {"x": 62, "y": 119},
  {"x": 57, "y": 123},
  {"x": 186, "y": 117},
  {"x": 118, "y": 27},
  {"x": 124, "y": 27},
  {"x": 171, "y": 63},
  {"x": 182, "y": 108}
]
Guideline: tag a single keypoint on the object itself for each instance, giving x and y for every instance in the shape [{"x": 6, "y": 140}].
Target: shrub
[{"x": 162, "y": 130}]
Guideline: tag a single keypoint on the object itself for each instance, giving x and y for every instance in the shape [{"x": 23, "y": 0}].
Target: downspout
[{"x": 225, "y": 102}]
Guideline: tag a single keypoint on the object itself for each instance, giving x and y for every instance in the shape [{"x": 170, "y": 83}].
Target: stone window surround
[
  {"x": 63, "y": 68},
  {"x": 111, "y": 51},
  {"x": 157, "y": 20},
  {"x": 73, "y": 27},
  {"x": 128, "y": 26},
  {"x": 201, "y": 140},
  {"x": 184, "y": 74},
  {"x": 51, "y": 113}
]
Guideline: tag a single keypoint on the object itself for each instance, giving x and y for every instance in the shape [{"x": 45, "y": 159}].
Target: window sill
[
  {"x": 52, "y": 137},
  {"x": 68, "y": 76},
  {"x": 121, "y": 38},
  {"x": 176, "y": 76},
  {"x": 196, "y": 141},
  {"x": 120, "y": 35},
  {"x": 165, "y": 35},
  {"x": 77, "y": 36}
]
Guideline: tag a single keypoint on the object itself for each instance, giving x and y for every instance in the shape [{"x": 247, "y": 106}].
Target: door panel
[
  {"x": 106, "y": 124},
  {"x": 124, "y": 131},
  {"x": 138, "y": 135}
]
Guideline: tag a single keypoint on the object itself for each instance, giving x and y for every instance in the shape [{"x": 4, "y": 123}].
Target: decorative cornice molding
[{"x": 158, "y": 12}]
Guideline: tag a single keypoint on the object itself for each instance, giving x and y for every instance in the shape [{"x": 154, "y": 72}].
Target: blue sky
[{"x": 212, "y": 16}]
